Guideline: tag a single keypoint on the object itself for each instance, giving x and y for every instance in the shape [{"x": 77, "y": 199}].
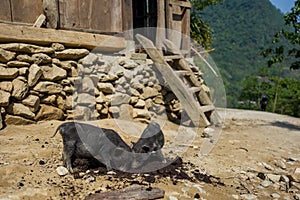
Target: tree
[
  {"x": 291, "y": 34},
  {"x": 200, "y": 31}
]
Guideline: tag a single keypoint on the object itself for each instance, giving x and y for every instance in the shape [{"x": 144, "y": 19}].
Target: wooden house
[{"x": 106, "y": 17}]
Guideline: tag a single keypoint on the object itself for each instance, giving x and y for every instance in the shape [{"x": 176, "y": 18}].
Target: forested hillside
[{"x": 242, "y": 29}]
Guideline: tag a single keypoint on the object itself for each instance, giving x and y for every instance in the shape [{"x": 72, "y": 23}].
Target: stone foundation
[{"x": 57, "y": 83}]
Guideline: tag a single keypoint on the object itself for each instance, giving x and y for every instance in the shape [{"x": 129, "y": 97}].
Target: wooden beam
[
  {"x": 43, "y": 36},
  {"x": 132, "y": 192}
]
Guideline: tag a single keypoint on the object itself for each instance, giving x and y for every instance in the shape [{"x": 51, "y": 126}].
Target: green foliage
[
  {"x": 200, "y": 31},
  {"x": 241, "y": 30},
  {"x": 291, "y": 36},
  {"x": 288, "y": 97}
]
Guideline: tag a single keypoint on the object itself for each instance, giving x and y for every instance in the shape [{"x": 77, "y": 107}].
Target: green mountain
[{"x": 242, "y": 29}]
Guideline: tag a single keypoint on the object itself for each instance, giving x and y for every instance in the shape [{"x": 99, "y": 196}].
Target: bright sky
[{"x": 283, "y": 5}]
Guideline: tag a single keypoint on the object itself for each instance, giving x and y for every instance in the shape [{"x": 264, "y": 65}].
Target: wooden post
[
  {"x": 51, "y": 12},
  {"x": 186, "y": 21},
  {"x": 127, "y": 19},
  {"x": 161, "y": 24}
]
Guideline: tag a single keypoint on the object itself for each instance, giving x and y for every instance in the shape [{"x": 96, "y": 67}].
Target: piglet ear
[{"x": 132, "y": 144}]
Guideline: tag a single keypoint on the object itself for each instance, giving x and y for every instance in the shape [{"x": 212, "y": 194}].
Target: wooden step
[
  {"x": 183, "y": 73},
  {"x": 179, "y": 88},
  {"x": 172, "y": 57},
  {"x": 195, "y": 89},
  {"x": 207, "y": 108}
]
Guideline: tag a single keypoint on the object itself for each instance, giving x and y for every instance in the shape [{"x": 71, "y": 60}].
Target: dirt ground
[{"x": 248, "y": 147}]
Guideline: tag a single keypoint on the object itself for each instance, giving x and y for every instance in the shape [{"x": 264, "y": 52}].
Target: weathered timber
[
  {"x": 132, "y": 192},
  {"x": 43, "y": 36},
  {"x": 184, "y": 65},
  {"x": 161, "y": 24},
  {"x": 186, "y": 98},
  {"x": 40, "y": 21},
  {"x": 186, "y": 21},
  {"x": 181, "y": 3},
  {"x": 5, "y": 11},
  {"x": 91, "y": 15},
  {"x": 127, "y": 19},
  {"x": 25, "y": 11},
  {"x": 51, "y": 11}
]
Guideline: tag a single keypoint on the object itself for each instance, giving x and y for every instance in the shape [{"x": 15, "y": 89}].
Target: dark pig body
[
  {"x": 151, "y": 142},
  {"x": 87, "y": 141}
]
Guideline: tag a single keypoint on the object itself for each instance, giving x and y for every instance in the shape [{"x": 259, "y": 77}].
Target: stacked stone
[
  {"x": 119, "y": 87},
  {"x": 44, "y": 83},
  {"x": 35, "y": 81}
]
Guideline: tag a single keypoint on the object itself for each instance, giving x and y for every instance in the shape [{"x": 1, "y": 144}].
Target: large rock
[
  {"x": 82, "y": 113},
  {"x": 20, "y": 88},
  {"x": 149, "y": 92},
  {"x": 141, "y": 113},
  {"x": 6, "y": 86},
  {"x": 17, "y": 120},
  {"x": 16, "y": 63},
  {"x": 25, "y": 58},
  {"x": 20, "y": 110},
  {"x": 48, "y": 87},
  {"x": 26, "y": 48},
  {"x": 4, "y": 98},
  {"x": 67, "y": 65},
  {"x": 8, "y": 73},
  {"x": 49, "y": 113},
  {"x": 41, "y": 58},
  {"x": 106, "y": 87},
  {"x": 85, "y": 99},
  {"x": 71, "y": 54},
  {"x": 6, "y": 56},
  {"x": 120, "y": 98},
  {"x": 89, "y": 59},
  {"x": 35, "y": 72},
  {"x": 33, "y": 102},
  {"x": 49, "y": 99},
  {"x": 87, "y": 85},
  {"x": 53, "y": 73}
]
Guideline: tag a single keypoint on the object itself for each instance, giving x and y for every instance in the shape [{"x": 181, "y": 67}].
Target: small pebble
[
  {"x": 173, "y": 198},
  {"x": 249, "y": 196},
  {"x": 62, "y": 171},
  {"x": 275, "y": 196}
]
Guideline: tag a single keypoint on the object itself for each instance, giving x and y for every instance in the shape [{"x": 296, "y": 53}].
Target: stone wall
[{"x": 44, "y": 83}]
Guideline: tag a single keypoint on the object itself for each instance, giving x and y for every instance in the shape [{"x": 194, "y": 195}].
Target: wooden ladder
[{"x": 198, "y": 109}]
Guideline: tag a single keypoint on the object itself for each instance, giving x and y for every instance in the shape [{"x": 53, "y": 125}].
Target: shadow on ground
[{"x": 286, "y": 125}]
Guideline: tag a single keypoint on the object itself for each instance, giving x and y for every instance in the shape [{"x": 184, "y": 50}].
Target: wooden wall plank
[
  {"x": 91, "y": 15},
  {"x": 186, "y": 20},
  {"x": 26, "y": 11},
  {"x": 127, "y": 15},
  {"x": 5, "y": 11},
  {"x": 68, "y": 14},
  {"x": 116, "y": 16},
  {"x": 50, "y": 8},
  {"x": 161, "y": 24},
  {"x": 44, "y": 36}
]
